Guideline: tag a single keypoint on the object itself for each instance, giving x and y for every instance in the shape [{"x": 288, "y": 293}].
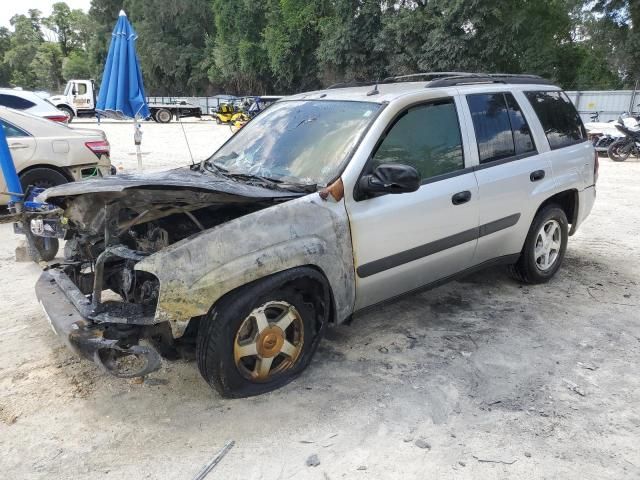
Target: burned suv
[{"x": 325, "y": 204}]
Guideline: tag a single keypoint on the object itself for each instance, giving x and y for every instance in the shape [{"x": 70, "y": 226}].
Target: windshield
[{"x": 298, "y": 141}]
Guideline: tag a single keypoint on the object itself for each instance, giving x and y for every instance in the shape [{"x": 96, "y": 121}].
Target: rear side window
[
  {"x": 11, "y": 132},
  {"x": 500, "y": 127},
  {"x": 560, "y": 120},
  {"x": 426, "y": 137},
  {"x": 13, "y": 101}
]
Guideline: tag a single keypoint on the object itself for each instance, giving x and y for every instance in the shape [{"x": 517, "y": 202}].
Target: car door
[
  {"x": 83, "y": 96},
  {"x": 21, "y": 145},
  {"x": 402, "y": 242},
  {"x": 513, "y": 177}
]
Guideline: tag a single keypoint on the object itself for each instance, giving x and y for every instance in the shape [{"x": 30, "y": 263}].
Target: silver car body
[{"x": 376, "y": 249}]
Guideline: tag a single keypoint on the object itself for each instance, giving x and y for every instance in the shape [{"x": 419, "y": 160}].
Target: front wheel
[
  {"x": 544, "y": 247},
  {"x": 620, "y": 150},
  {"x": 261, "y": 336}
]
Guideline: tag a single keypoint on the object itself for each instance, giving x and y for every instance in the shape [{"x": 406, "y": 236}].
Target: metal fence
[{"x": 609, "y": 104}]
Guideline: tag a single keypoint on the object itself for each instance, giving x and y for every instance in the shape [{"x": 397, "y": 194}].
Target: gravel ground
[{"x": 478, "y": 379}]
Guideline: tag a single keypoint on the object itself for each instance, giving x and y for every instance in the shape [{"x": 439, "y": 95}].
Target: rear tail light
[
  {"x": 62, "y": 118},
  {"x": 100, "y": 147},
  {"x": 596, "y": 166}
]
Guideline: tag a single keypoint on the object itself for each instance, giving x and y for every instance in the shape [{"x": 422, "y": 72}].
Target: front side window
[
  {"x": 426, "y": 137},
  {"x": 297, "y": 141},
  {"x": 82, "y": 89},
  {"x": 13, "y": 101},
  {"x": 500, "y": 127},
  {"x": 560, "y": 120}
]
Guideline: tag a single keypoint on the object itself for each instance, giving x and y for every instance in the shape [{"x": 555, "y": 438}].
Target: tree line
[{"x": 198, "y": 47}]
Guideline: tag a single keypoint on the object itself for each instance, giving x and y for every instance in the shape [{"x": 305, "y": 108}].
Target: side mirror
[
  {"x": 390, "y": 178},
  {"x": 74, "y": 90}
]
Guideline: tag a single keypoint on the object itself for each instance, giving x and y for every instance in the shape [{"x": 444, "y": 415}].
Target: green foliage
[
  {"x": 23, "y": 46},
  {"x": 284, "y": 46},
  {"x": 46, "y": 67},
  {"x": 76, "y": 65},
  {"x": 171, "y": 43},
  {"x": 237, "y": 57}
]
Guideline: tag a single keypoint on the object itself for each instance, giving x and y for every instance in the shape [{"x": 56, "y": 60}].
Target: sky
[{"x": 8, "y": 8}]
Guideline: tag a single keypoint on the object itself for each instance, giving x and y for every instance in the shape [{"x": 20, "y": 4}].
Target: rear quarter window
[
  {"x": 13, "y": 101},
  {"x": 560, "y": 120}
]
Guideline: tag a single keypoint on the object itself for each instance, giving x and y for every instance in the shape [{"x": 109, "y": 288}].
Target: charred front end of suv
[{"x": 99, "y": 300}]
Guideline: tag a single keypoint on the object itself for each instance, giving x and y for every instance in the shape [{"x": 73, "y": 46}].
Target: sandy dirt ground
[{"x": 479, "y": 379}]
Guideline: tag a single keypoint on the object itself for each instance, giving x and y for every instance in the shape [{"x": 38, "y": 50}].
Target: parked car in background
[
  {"x": 328, "y": 203},
  {"x": 32, "y": 103},
  {"x": 48, "y": 153}
]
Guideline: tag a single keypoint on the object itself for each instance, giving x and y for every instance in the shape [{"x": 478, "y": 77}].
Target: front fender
[{"x": 196, "y": 272}]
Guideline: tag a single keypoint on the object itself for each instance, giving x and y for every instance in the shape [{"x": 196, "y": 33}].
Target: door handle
[
  {"x": 461, "y": 197},
  {"x": 17, "y": 146},
  {"x": 537, "y": 175}
]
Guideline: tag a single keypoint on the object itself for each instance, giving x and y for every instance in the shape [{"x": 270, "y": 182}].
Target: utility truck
[{"x": 80, "y": 96}]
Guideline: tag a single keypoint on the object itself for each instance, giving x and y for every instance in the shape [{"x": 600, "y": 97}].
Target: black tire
[
  {"x": 218, "y": 121},
  {"x": 45, "y": 249},
  {"x": 163, "y": 116},
  {"x": 68, "y": 111},
  {"x": 527, "y": 268},
  {"x": 614, "y": 152},
  {"x": 300, "y": 288},
  {"x": 42, "y": 177}
]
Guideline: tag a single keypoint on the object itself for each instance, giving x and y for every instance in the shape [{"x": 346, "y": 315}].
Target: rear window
[
  {"x": 13, "y": 101},
  {"x": 560, "y": 120},
  {"x": 501, "y": 129}
]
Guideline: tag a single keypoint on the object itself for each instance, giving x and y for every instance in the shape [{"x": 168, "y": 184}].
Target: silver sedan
[{"x": 47, "y": 153}]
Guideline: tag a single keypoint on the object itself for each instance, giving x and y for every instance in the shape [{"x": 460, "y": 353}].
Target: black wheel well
[
  {"x": 61, "y": 171},
  {"x": 568, "y": 201},
  {"x": 311, "y": 277}
]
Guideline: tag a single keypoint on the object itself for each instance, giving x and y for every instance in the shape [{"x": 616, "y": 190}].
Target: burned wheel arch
[{"x": 196, "y": 272}]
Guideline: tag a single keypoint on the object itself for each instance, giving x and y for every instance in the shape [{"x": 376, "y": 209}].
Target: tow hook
[{"x": 133, "y": 361}]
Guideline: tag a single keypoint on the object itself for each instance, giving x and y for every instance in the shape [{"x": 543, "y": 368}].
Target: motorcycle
[
  {"x": 629, "y": 144},
  {"x": 602, "y": 134}
]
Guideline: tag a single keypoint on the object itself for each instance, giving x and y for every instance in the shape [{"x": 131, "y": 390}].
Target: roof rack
[
  {"x": 352, "y": 83},
  {"x": 474, "y": 78},
  {"x": 414, "y": 77},
  {"x": 450, "y": 79}
]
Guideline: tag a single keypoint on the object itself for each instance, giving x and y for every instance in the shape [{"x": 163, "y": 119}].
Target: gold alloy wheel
[{"x": 269, "y": 341}]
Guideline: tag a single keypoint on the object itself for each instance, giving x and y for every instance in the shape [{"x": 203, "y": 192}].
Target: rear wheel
[
  {"x": 544, "y": 247},
  {"x": 620, "y": 150},
  {"x": 163, "y": 115},
  {"x": 261, "y": 336},
  {"x": 42, "y": 177}
]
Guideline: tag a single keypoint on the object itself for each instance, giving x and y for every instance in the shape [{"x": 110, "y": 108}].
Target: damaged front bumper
[{"x": 69, "y": 310}]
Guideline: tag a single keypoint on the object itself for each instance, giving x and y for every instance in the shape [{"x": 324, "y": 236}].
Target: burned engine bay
[{"x": 111, "y": 224}]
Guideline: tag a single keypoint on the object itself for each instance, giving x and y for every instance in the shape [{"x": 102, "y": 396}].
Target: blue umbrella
[{"x": 121, "y": 94}]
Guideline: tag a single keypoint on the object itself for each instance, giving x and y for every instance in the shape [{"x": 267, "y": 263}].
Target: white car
[
  {"x": 32, "y": 103},
  {"x": 48, "y": 153}
]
